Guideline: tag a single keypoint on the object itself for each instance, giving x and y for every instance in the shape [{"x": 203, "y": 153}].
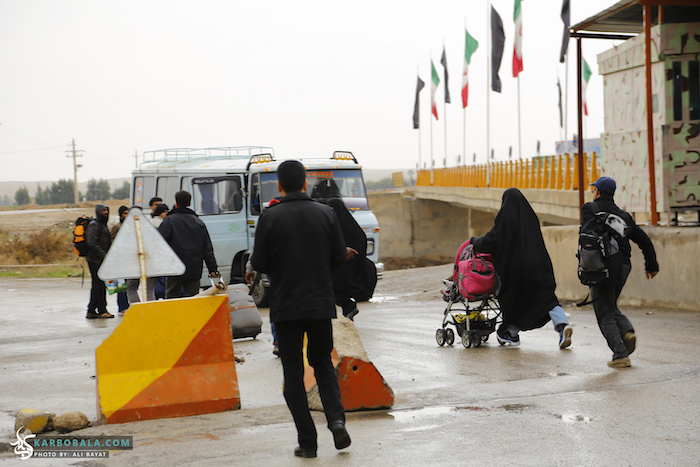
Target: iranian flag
[
  {"x": 518, "y": 42},
  {"x": 470, "y": 47},
  {"x": 586, "y": 78},
  {"x": 433, "y": 87}
]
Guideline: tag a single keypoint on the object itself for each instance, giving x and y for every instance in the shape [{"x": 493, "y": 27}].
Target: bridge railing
[{"x": 545, "y": 172}]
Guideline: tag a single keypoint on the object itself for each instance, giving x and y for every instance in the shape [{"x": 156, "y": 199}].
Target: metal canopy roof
[{"x": 626, "y": 16}]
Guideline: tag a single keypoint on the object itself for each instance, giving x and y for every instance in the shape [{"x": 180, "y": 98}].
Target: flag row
[{"x": 497, "y": 47}]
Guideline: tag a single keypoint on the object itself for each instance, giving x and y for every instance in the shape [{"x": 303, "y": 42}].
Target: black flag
[
  {"x": 561, "y": 112},
  {"x": 416, "y": 113},
  {"x": 566, "y": 17},
  {"x": 498, "y": 40},
  {"x": 444, "y": 64}
]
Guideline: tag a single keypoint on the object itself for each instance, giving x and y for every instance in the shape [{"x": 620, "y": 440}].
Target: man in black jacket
[
  {"x": 189, "y": 238},
  {"x": 298, "y": 242},
  {"x": 615, "y": 326},
  {"x": 98, "y": 241}
]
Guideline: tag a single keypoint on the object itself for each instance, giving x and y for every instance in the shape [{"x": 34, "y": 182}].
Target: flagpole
[
  {"x": 444, "y": 103},
  {"x": 566, "y": 103},
  {"x": 419, "y": 140},
  {"x": 464, "y": 111},
  {"x": 431, "y": 123},
  {"x": 488, "y": 90},
  {"x": 520, "y": 145}
]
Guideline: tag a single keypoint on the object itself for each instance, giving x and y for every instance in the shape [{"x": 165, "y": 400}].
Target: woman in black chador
[
  {"x": 521, "y": 260},
  {"x": 355, "y": 280}
]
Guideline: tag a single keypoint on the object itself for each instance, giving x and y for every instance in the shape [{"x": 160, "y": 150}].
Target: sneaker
[
  {"x": 507, "y": 339},
  {"x": 105, "y": 314},
  {"x": 630, "y": 341},
  {"x": 620, "y": 363},
  {"x": 565, "y": 337},
  {"x": 92, "y": 315},
  {"x": 304, "y": 452},
  {"x": 276, "y": 349}
]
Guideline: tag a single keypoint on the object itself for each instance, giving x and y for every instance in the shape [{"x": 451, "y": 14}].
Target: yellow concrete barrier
[{"x": 168, "y": 359}]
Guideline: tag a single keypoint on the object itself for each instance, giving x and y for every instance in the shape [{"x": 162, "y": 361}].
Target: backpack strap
[{"x": 585, "y": 301}]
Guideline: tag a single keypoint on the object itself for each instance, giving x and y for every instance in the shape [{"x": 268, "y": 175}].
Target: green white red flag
[
  {"x": 470, "y": 46},
  {"x": 433, "y": 87},
  {"x": 586, "y": 78},
  {"x": 518, "y": 42}
]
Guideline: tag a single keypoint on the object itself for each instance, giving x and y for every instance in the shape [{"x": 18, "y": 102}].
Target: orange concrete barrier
[
  {"x": 361, "y": 385},
  {"x": 166, "y": 359}
]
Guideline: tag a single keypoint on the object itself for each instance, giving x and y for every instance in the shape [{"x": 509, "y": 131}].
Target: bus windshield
[{"x": 324, "y": 184}]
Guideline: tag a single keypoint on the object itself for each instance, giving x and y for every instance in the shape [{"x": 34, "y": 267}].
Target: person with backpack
[
  {"x": 98, "y": 242},
  {"x": 526, "y": 298},
  {"x": 615, "y": 326}
]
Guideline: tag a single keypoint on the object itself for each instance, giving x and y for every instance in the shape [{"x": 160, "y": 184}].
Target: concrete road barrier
[
  {"x": 362, "y": 387},
  {"x": 166, "y": 359}
]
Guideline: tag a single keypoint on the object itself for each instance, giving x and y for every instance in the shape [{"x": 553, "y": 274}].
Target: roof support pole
[
  {"x": 579, "y": 78},
  {"x": 650, "y": 115}
]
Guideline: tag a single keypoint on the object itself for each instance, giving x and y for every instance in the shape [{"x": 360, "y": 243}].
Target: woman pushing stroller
[{"x": 526, "y": 298}]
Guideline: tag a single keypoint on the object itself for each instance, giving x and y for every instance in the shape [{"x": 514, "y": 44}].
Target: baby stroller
[{"x": 473, "y": 287}]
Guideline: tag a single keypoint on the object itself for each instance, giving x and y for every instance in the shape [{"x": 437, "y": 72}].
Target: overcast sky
[{"x": 307, "y": 78}]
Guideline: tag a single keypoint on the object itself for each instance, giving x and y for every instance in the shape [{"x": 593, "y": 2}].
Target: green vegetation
[
  {"x": 123, "y": 192},
  {"x": 59, "y": 192},
  {"x": 97, "y": 190},
  {"x": 22, "y": 196}
]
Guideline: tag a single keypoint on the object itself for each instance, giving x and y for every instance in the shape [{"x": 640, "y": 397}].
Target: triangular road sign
[{"x": 122, "y": 260}]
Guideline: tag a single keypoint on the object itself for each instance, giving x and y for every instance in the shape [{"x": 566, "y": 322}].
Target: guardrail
[{"x": 545, "y": 172}]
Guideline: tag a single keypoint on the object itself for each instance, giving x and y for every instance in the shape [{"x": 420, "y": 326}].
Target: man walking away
[
  {"x": 98, "y": 241},
  {"x": 189, "y": 238},
  {"x": 615, "y": 326},
  {"x": 298, "y": 242}
]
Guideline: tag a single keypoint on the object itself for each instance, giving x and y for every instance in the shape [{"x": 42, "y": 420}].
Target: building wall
[{"x": 676, "y": 143}]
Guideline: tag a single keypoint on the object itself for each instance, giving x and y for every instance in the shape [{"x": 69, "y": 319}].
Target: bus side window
[{"x": 255, "y": 195}]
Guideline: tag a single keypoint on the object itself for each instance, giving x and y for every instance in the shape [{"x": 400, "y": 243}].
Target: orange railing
[{"x": 544, "y": 172}]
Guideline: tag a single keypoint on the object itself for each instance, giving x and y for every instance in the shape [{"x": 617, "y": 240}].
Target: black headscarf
[
  {"x": 522, "y": 262},
  {"x": 353, "y": 279}
]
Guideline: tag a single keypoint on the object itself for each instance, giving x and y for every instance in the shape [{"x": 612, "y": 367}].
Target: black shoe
[
  {"x": 92, "y": 315},
  {"x": 340, "y": 435},
  {"x": 352, "y": 314},
  {"x": 304, "y": 452}
]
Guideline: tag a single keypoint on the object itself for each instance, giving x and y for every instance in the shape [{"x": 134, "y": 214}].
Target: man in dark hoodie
[
  {"x": 98, "y": 241},
  {"x": 188, "y": 236},
  {"x": 616, "y": 328}
]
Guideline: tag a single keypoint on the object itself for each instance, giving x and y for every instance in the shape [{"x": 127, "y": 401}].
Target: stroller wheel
[
  {"x": 465, "y": 340},
  {"x": 440, "y": 337},
  {"x": 476, "y": 339},
  {"x": 449, "y": 336}
]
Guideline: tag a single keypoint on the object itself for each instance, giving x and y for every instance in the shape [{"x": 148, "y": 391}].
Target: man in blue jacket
[
  {"x": 297, "y": 242},
  {"x": 188, "y": 236}
]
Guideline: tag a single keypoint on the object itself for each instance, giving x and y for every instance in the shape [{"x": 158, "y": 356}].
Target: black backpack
[
  {"x": 79, "y": 231},
  {"x": 599, "y": 248}
]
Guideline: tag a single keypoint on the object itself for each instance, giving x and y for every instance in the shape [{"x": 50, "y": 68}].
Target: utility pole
[
  {"x": 136, "y": 159},
  {"x": 75, "y": 154}
]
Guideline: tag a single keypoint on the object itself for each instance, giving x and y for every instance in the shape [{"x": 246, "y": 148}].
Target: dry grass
[{"x": 48, "y": 246}]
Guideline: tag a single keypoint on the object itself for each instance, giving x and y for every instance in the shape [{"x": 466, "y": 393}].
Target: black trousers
[
  {"x": 290, "y": 337},
  {"x": 98, "y": 291},
  {"x": 611, "y": 322},
  {"x": 176, "y": 287}
]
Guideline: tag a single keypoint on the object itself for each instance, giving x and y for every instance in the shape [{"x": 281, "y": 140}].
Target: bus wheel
[{"x": 260, "y": 293}]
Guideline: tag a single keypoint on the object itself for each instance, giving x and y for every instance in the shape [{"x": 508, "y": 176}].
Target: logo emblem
[
  {"x": 234, "y": 227},
  {"x": 23, "y": 449}
]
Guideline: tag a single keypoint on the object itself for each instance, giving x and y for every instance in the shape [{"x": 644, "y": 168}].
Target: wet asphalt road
[{"x": 532, "y": 406}]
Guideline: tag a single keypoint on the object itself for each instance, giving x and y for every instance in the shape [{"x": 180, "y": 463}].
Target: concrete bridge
[{"x": 430, "y": 221}]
